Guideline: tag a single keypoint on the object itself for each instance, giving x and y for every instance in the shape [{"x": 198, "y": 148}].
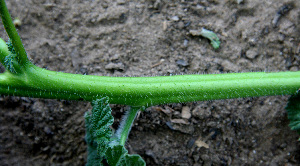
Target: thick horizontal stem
[
  {"x": 146, "y": 91},
  {"x": 134, "y": 91}
]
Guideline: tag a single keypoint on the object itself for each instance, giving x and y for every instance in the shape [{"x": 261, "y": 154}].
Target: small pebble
[
  {"x": 182, "y": 63},
  {"x": 180, "y": 25},
  {"x": 186, "y": 112},
  {"x": 240, "y": 1},
  {"x": 251, "y": 54},
  {"x": 47, "y": 130},
  {"x": 205, "y": 157},
  {"x": 115, "y": 66},
  {"x": 201, "y": 143},
  {"x": 252, "y": 41},
  {"x": 175, "y": 18},
  {"x": 201, "y": 113},
  {"x": 165, "y": 25},
  {"x": 187, "y": 129},
  {"x": 229, "y": 65},
  {"x": 115, "y": 57},
  {"x": 190, "y": 143},
  {"x": 121, "y": 2},
  {"x": 180, "y": 121},
  {"x": 281, "y": 37},
  {"x": 17, "y": 22},
  {"x": 185, "y": 42}
]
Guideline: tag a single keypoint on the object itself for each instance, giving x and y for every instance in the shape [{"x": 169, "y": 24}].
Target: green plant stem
[
  {"x": 13, "y": 34},
  {"x": 135, "y": 91},
  {"x": 147, "y": 91},
  {"x": 126, "y": 123},
  {"x": 144, "y": 91}
]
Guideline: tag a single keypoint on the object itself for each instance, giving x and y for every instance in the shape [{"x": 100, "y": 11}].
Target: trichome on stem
[{"x": 22, "y": 78}]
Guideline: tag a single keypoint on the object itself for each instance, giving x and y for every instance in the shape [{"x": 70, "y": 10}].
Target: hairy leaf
[
  {"x": 133, "y": 160},
  {"x": 293, "y": 110},
  {"x": 11, "y": 58},
  {"x": 115, "y": 155},
  {"x": 9, "y": 62},
  {"x": 118, "y": 156},
  {"x": 98, "y": 132},
  {"x": 10, "y": 47},
  {"x": 93, "y": 158}
]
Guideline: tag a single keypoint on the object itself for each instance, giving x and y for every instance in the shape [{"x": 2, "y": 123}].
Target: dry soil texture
[{"x": 152, "y": 37}]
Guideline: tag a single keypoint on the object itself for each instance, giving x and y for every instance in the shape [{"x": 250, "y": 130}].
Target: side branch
[{"x": 13, "y": 34}]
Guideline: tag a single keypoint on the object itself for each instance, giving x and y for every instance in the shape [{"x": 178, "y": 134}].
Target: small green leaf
[
  {"x": 102, "y": 146},
  {"x": 10, "y": 47},
  {"x": 98, "y": 130},
  {"x": 133, "y": 160},
  {"x": 118, "y": 156},
  {"x": 93, "y": 158},
  {"x": 214, "y": 40},
  {"x": 11, "y": 59},
  {"x": 293, "y": 110},
  {"x": 115, "y": 155},
  {"x": 9, "y": 62}
]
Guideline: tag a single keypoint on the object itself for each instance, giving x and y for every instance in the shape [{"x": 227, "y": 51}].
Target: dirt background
[{"x": 146, "y": 38}]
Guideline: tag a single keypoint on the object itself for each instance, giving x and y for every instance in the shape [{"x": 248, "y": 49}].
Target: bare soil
[{"x": 146, "y": 38}]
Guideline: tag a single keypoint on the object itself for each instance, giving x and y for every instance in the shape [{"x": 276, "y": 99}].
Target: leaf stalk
[{"x": 126, "y": 124}]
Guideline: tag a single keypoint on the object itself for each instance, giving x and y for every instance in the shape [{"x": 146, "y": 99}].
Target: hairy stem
[
  {"x": 13, "y": 34},
  {"x": 147, "y": 91},
  {"x": 126, "y": 123},
  {"x": 36, "y": 82}
]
